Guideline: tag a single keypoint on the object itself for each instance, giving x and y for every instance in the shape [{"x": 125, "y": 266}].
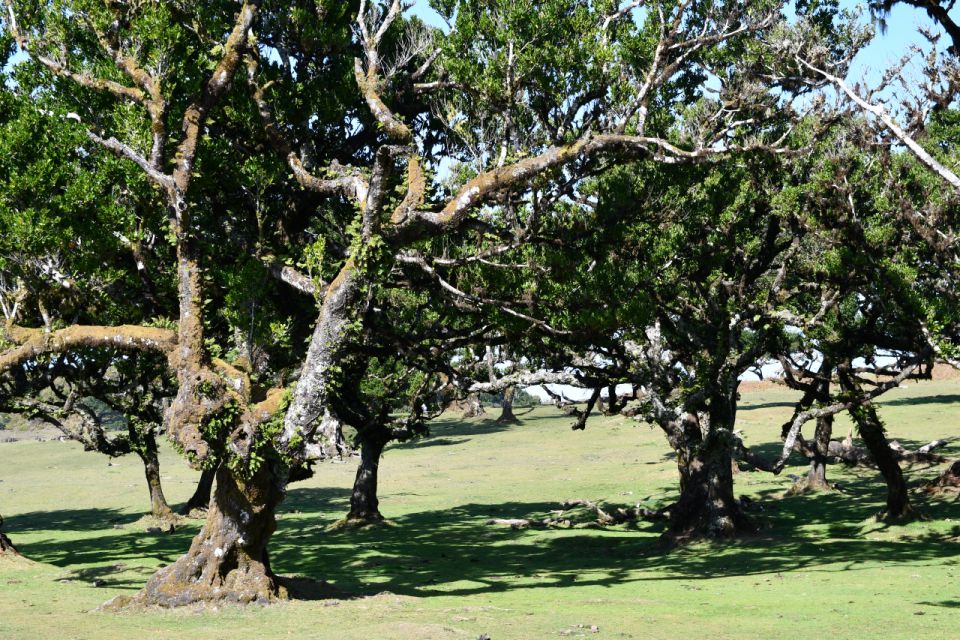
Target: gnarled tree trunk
[
  {"x": 364, "y": 504},
  {"x": 707, "y": 507},
  {"x": 506, "y": 407},
  {"x": 227, "y": 560},
  {"x": 472, "y": 407},
  {"x": 200, "y": 499}
]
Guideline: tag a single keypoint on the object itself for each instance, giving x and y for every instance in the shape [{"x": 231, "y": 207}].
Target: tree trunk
[
  {"x": 200, "y": 499},
  {"x": 506, "y": 407},
  {"x": 151, "y": 467},
  {"x": 6, "y": 547},
  {"x": 707, "y": 507},
  {"x": 473, "y": 407},
  {"x": 871, "y": 431},
  {"x": 227, "y": 561},
  {"x": 817, "y": 475},
  {"x": 364, "y": 505}
]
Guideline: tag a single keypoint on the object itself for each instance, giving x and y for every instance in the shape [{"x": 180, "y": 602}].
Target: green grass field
[{"x": 820, "y": 567}]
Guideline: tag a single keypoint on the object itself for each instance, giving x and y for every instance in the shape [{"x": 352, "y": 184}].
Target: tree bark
[
  {"x": 704, "y": 444},
  {"x": 200, "y": 499},
  {"x": 331, "y": 428},
  {"x": 871, "y": 431},
  {"x": 707, "y": 507},
  {"x": 227, "y": 561},
  {"x": 473, "y": 407},
  {"x": 364, "y": 504},
  {"x": 506, "y": 407}
]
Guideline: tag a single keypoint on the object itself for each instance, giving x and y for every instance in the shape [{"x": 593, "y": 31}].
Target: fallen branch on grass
[{"x": 583, "y": 514}]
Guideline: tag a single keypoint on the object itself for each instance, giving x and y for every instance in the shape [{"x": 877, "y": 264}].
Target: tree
[
  {"x": 364, "y": 109},
  {"x": 79, "y": 392}
]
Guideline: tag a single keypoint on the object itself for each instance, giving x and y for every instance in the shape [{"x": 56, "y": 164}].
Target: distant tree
[{"x": 75, "y": 392}]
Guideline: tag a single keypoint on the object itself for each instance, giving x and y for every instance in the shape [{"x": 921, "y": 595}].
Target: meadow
[{"x": 820, "y": 565}]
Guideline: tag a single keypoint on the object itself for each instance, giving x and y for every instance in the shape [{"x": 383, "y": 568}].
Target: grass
[{"x": 821, "y": 566}]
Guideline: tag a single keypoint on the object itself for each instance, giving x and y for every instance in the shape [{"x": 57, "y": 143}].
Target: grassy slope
[{"x": 820, "y": 566}]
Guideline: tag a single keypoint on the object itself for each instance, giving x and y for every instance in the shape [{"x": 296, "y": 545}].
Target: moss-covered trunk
[
  {"x": 228, "y": 559},
  {"x": 872, "y": 432},
  {"x": 364, "y": 504},
  {"x": 200, "y": 499}
]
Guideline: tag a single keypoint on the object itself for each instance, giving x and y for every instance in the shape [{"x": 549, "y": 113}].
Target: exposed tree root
[
  {"x": 153, "y": 524},
  {"x": 806, "y": 485},
  {"x": 581, "y": 513},
  {"x": 360, "y": 523},
  {"x": 507, "y": 418},
  {"x": 947, "y": 482}
]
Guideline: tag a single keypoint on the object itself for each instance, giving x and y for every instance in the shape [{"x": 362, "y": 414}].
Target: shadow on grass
[
  {"x": 747, "y": 406},
  {"x": 920, "y": 400},
  {"x": 453, "y": 552},
  {"x": 71, "y": 520}
]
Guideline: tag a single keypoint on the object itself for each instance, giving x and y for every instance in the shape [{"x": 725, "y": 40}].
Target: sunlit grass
[{"x": 820, "y": 566}]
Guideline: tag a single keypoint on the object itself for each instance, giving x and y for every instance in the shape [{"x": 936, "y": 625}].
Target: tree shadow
[
  {"x": 453, "y": 552},
  {"x": 70, "y": 520},
  {"x": 950, "y": 604},
  {"x": 920, "y": 400},
  {"x": 454, "y": 432},
  {"x": 449, "y": 552},
  {"x": 747, "y": 406}
]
